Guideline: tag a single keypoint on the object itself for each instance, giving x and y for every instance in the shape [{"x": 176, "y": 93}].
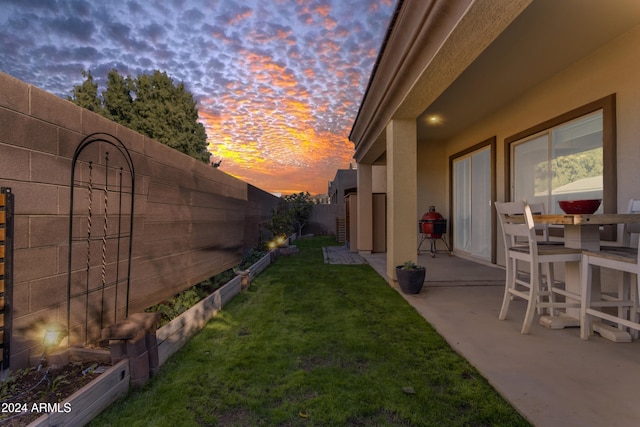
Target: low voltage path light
[{"x": 53, "y": 335}]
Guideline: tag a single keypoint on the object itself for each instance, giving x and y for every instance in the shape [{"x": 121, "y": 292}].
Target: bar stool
[{"x": 521, "y": 245}]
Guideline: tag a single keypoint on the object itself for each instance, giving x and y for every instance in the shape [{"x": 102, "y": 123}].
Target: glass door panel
[
  {"x": 472, "y": 204},
  {"x": 462, "y": 205},
  {"x": 481, "y": 204}
]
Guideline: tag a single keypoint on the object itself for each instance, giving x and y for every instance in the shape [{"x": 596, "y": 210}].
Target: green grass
[{"x": 311, "y": 344}]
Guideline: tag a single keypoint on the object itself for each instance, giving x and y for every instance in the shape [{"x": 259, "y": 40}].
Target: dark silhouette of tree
[
  {"x": 86, "y": 94},
  {"x": 150, "y": 104}
]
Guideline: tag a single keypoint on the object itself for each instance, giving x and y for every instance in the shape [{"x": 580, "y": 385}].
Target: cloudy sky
[{"x": 278, "y": 82}]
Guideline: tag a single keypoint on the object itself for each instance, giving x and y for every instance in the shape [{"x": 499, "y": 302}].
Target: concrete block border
[{"x": 95, "y": 397}]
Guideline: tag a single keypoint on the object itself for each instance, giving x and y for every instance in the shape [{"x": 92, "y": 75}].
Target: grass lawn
[{"x": 311, "y": 344}]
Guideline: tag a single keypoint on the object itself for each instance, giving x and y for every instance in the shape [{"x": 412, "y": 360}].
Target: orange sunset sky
[{"x": 278, "y": 83}]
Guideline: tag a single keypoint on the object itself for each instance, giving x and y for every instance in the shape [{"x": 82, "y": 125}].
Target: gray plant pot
[{"x": 410, "y": 281}]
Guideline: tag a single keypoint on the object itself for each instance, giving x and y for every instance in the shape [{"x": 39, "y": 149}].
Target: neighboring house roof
[{"x": 584, "y": 185}]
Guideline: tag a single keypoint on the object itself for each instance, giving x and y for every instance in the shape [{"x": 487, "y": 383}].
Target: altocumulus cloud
[{"x": 278, "y": 83}]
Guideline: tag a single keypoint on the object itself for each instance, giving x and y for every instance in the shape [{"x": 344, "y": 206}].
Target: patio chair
[
  {"x": 625, "y": 259},
  {"x": 542, "y": 230},
  {"x": 628, "y": 230},
  {"x": 521, "y": 245},
  {"x": 543, "y": 238}
]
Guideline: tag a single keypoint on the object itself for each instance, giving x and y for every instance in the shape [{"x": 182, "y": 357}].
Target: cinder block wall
[
  {"x": 323, "y": 219},
  {"x": 191, "y": 221},
  {"x": 259, "y": 211}
]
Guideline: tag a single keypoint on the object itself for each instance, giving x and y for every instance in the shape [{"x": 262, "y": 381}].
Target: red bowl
[{"x": 576, "y": 207}]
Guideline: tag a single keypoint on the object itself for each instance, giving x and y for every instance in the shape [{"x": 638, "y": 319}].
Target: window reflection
[{"x": 561, "y": 163}]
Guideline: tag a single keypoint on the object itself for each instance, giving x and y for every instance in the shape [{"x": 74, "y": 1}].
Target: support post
[
  {"x": 402, "y": 194},
  {"x": 365, "y": 209}
]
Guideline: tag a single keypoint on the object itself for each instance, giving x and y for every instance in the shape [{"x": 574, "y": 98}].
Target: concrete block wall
[
  {"x": 259, "y": 210},
  {"x": 323, "y": 219},
  {"x": 191, "y": 221}
]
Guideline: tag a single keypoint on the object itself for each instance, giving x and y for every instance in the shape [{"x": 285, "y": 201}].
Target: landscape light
[
  {"x": 53, "y": 335},
  {"x": 280, "y": 240}
]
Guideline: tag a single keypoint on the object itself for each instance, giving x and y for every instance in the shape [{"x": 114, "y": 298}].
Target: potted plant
[{"x": 410, "y": 277}]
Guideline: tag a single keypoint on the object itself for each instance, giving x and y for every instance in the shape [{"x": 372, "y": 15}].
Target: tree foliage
[
  {"x": 568, "y": 169},
  {"x": 118, "y": 101},
  {"x": 86, "y": 94},
  {"x": 300, "y": 205},
  {"x": 291, "y": 214},
  {"x": 150, "y": 104}
]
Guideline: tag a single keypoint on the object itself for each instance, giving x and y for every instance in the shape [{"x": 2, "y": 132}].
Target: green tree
[
  {"x": 118, "y": 102},
  {"x": 168, "y": 114},
  {"x": 86, "y": 94},
  {"x": 150, "y": 104},
  {"x": 576, "y": 166},
  {"x": 300, "y": 206},
  {"x": 281, "y": 222},
  {"x": 292, "y": 212},
  {"x": 568, "y": 168}
]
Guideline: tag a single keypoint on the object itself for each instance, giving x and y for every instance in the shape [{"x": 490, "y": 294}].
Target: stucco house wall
[
  {"x": 455, "y": 74},
  {"x": 612, "y": 69},
  {"x": 190, "y": 221},
  {"x": 344, "y": 180},
  {"x": 433, "y": 182}
]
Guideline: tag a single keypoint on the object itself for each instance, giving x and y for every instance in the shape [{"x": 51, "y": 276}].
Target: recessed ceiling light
[{"x": 434, "y": 119}]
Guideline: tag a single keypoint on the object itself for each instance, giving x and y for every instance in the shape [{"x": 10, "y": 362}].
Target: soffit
[
  {"x": 429, "y": 45},
  {"x": 546, "y": 38}
]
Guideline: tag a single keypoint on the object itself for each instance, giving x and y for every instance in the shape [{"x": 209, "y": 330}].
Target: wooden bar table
[{"x": 582, "y": 231}]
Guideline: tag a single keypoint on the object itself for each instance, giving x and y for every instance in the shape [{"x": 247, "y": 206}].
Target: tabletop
[{"x": 582, "y": 219}]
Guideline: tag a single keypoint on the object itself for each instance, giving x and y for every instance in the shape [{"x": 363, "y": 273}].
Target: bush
[{"x": 291, "y": 214}]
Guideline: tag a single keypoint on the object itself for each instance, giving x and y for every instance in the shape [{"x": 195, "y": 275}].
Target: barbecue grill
[{"x": 433, "y": 227}]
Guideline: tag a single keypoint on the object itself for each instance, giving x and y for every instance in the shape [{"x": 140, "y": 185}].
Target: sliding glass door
[{"x": 472, "y": 203}]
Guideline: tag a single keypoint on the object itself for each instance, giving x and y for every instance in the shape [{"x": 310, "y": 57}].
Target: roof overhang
[{"x": 462, "y": 59}]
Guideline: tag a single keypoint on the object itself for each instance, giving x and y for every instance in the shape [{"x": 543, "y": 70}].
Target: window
[
  {"x": 561, "y": 163},
  {"x": 572, "y": 156}
]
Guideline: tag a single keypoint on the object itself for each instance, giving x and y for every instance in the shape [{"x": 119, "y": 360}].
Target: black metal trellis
[{"x": 102, "y": 170}]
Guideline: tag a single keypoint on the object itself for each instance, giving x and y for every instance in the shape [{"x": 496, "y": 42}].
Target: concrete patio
[{"x": 551, "y": 376}]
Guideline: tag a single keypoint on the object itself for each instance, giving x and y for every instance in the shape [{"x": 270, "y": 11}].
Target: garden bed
[
  {"x": 33, "y": 392},
  {"x": 175, "y": 334},
  {"x": 86, "y": 403},
  {"x": 37, "y": 397},
  {"x": 70, "y": 397}
]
